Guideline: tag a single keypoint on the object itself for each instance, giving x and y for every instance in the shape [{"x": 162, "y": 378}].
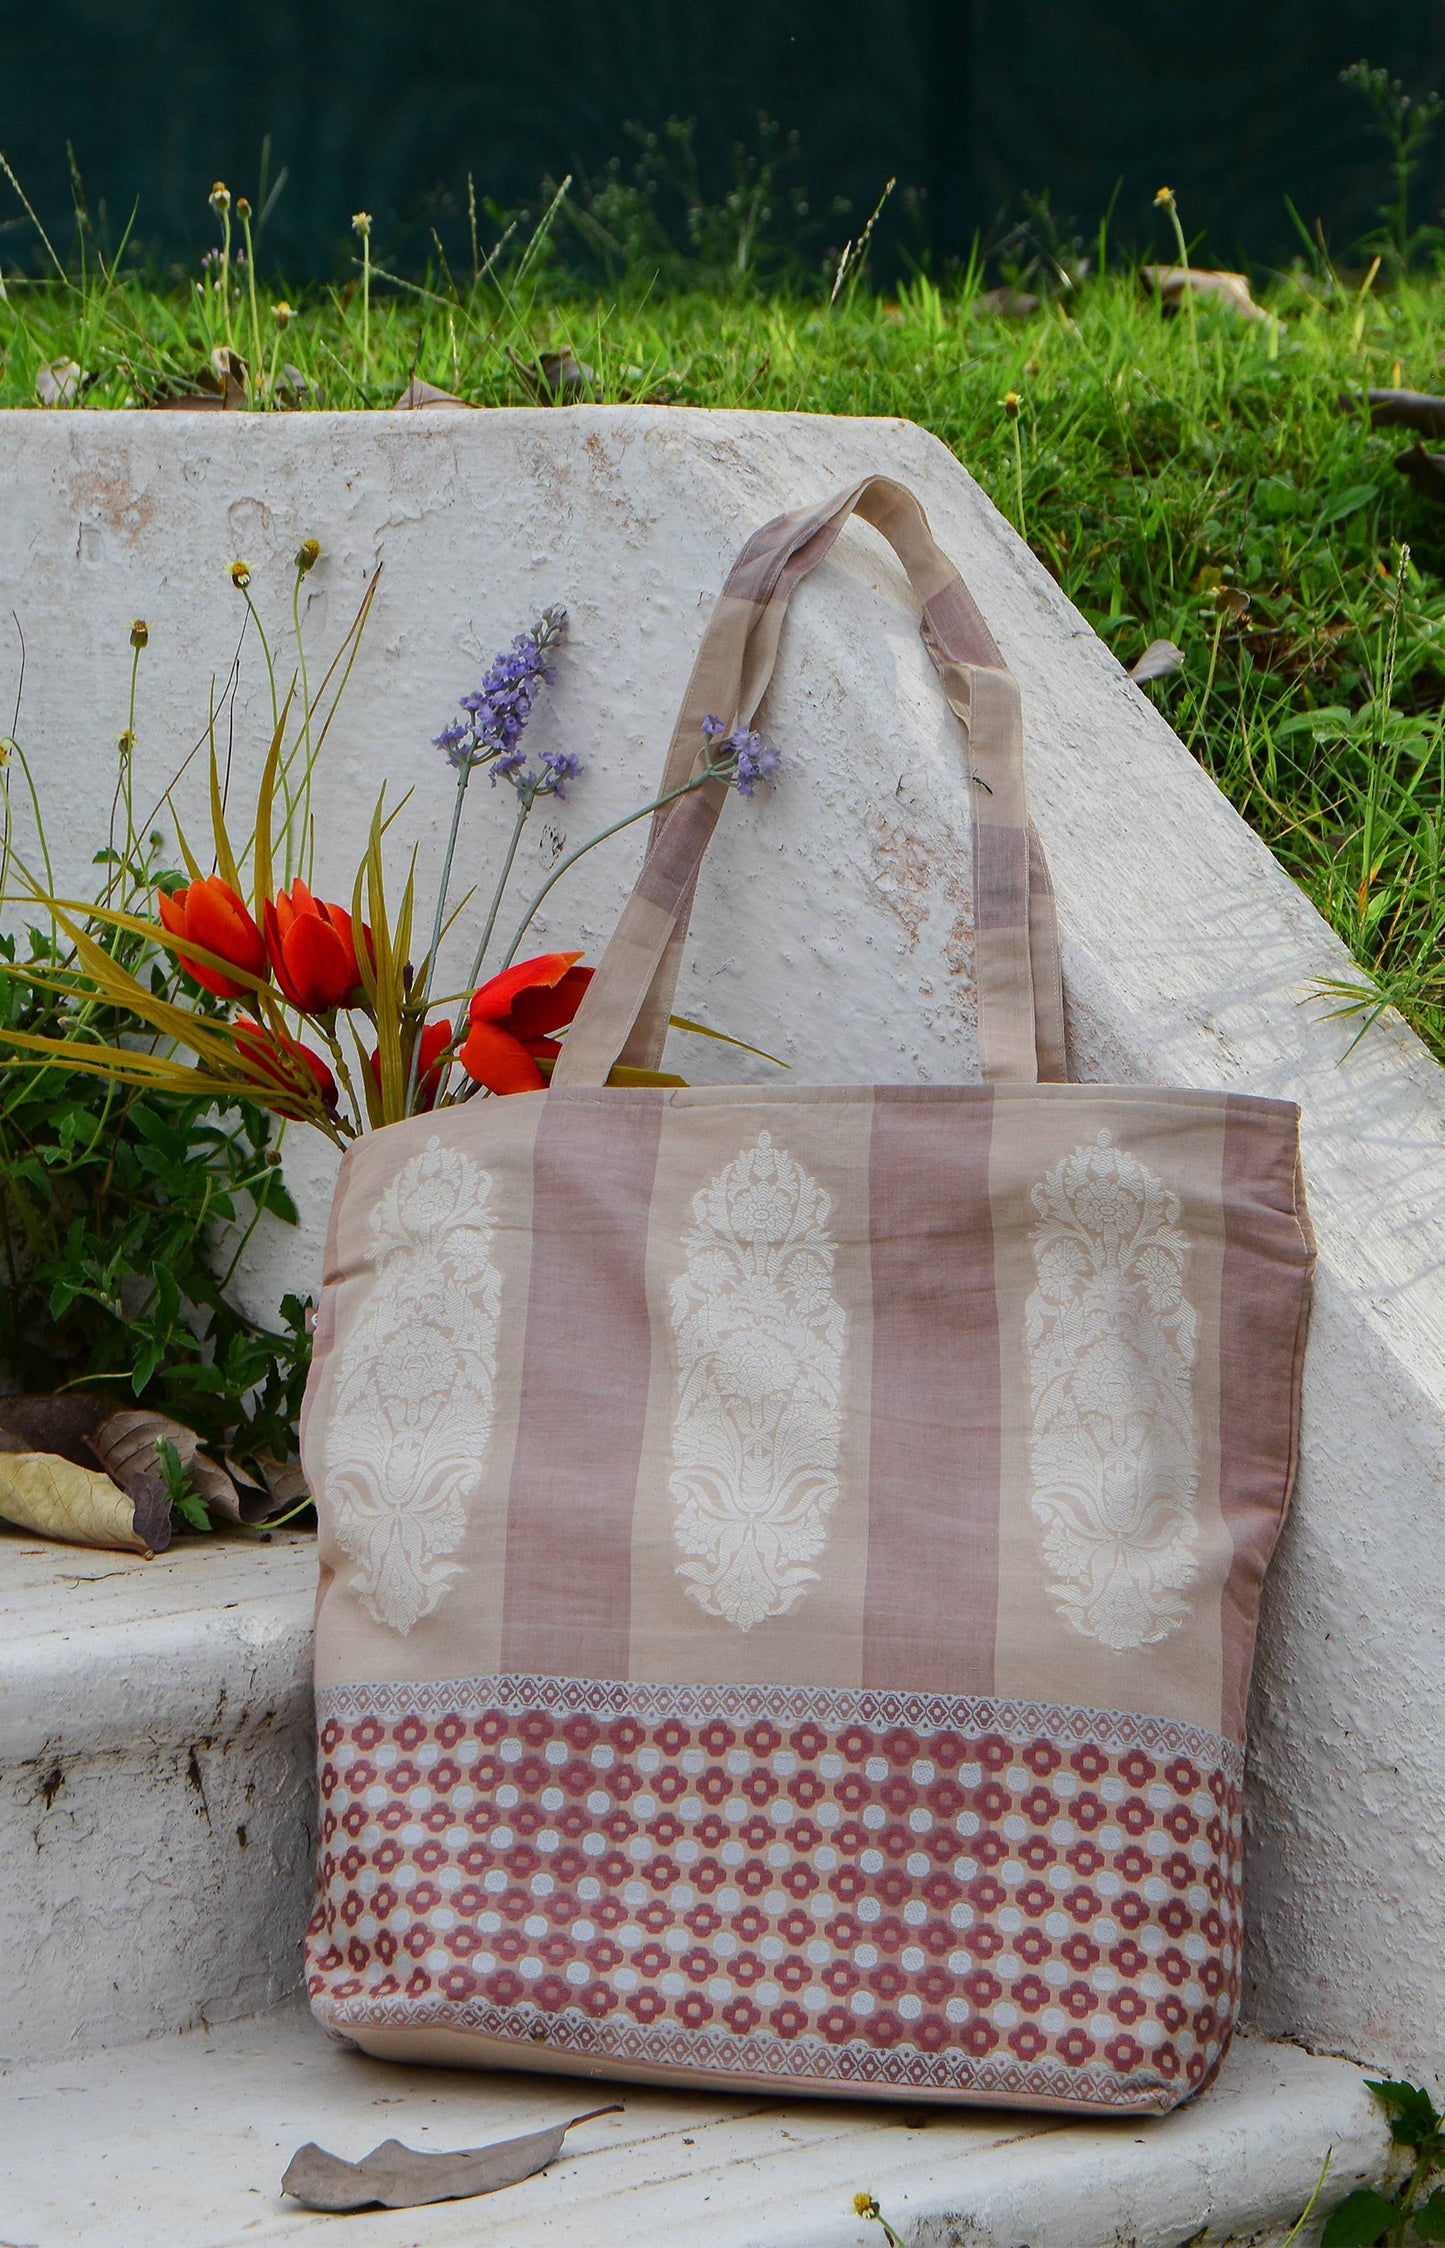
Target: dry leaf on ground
[
  {"x": 125, "y": 1444},
  {"x": 394, "y": 2176},
  {"x": 128, "y": 1506},
  {"x": 419, "y": 394},
  {"x": 1425, "y": 471},
  {"x": 1008, "y": 304},
  {"x": 61, "y": 383},
  {"x": 1158, "y": 661},
  {"x": 220, "y": 387},
  {"x": 40, "y": 1491},
  {"x": 265, "y": 1486},
  {"x": 1398, "y": 409},
  {"x": 1169, "y": 282},
  {"x": 557, "y": 378}
]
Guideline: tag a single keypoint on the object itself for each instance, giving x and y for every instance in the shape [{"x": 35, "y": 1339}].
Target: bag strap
[{"x": 1020, "y": 994}]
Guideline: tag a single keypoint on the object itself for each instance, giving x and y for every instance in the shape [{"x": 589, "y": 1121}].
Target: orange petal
[
  {"x": 495, "y": 1059},
  {"x": 172, "y": 911},
  {"x": 216, "y": 918},
  {"x": 494, "y": 999},
  {"x": 538, "y": 1011},
  {"x": 319, "y": 967}
]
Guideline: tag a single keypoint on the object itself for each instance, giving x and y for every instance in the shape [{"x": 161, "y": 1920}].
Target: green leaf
[
  {"x": 1429, "y": 2220},
  {"x": 1359, "y": 2220},
  {"x": 1414, "y": 2118},
  {"x": 1347, "y": 503}
]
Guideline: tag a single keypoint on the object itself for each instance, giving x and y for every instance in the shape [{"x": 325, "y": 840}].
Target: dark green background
[{"x": 389, "y": 104}]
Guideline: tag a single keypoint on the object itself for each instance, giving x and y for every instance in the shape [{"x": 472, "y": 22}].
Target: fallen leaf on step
[
  {"x": 1008, "y": 304},
  {"x": 557, "y": 378},
  {"x": 292, "y": 389},
  {"x": 394, "y": 2176},
  {"x": 129, "y": 1505},
  {"x": 125, "y": 1444},
  {"x": 1398, "y": 409},
  {"x": 1158, "y": 661},
  {"x": 1169, "y": 283},
  {"x": 218, "y": 388},
  {"x": 418, "y": 394},
  {"x": 41, "y": 1491},
  {"x": 61, "y": 383},
  {"x": 266, "y": 1487},
  {"x": 1425, "y": 471}
]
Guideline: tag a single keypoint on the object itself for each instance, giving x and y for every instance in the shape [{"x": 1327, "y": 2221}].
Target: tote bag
[{"x": 790, "y": 1556}]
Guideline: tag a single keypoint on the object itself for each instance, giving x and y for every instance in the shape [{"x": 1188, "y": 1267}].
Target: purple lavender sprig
[
  {"x": 498, "y": 710},
  {"x": 740, "y": 758}
]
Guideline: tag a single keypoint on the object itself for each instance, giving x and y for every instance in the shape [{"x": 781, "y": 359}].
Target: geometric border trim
[
  {"x": 832, "y": 2069},
  {"x": 972, "y": 1716}
]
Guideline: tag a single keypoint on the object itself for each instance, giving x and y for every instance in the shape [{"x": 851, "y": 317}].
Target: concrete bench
[{"x": 831, "y": 931}]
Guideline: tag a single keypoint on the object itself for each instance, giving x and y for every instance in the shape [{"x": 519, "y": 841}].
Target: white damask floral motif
[
  {"x": 760, "y": 1340},
  {"x": 1110, "y": 1337},
  {"x": 412, "y": 1411}
]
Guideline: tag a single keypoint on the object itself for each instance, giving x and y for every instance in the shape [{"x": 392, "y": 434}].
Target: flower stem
[
  {"x": 464, "y": 774},
  {"x": 257, "y": 393},
  {"x": 305, "y": 791},
  {"x": 523, "y": 809},
  {"x": 1184, "y": 276},
  {"x": 657, "y": 805}
]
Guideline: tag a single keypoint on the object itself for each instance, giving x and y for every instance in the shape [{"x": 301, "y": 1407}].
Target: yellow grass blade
[
  {"x": 265, "y": 804},
  {"x": 121, "y": 1064},
  {"x": 621, "y": 1074},
  {"x": 226, "y": 865},
  {"x": 685, "y": 1022}
]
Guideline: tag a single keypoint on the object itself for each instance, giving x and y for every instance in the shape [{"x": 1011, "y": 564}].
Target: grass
[{"x": 1186, "y": 479}]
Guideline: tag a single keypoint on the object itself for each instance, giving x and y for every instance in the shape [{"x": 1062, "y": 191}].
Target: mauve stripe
[
  {"x": 1001, "y": 876},
  {"x": 671, "y": 866},
  {"x": 954, "y": 626},
  {"x": 1268, "y": 1256},
  {"x": 568, "y": 1591},
  {"x": 932, "y": 1592}
]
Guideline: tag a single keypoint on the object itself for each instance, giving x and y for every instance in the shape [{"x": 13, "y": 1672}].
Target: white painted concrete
[
  {"x": 155, "y": 1787},
  {"x": 829, "y": 931},
  {"x": 185, "y": 2140}
]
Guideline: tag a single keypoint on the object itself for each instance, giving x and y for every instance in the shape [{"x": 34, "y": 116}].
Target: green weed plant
[{"x": 1209, "y": 480}]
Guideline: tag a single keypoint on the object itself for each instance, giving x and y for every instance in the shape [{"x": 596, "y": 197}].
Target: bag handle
[{"x": 1020, "y": 993}]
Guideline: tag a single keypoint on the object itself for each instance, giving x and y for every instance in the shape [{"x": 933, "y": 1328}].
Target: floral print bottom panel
[{"x": 854, "y": 1892}]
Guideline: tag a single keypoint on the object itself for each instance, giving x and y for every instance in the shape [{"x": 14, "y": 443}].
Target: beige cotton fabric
[{"x": 790, "y": 1556}]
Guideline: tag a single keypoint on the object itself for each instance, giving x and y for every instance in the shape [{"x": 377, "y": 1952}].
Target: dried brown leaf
[
  {"x": 63, "y": 1422},
  {"x": 125, "y": 1444},
  {"x": 219, "y": 387},
  {"x": 1398, "y": 409},
  {"x": 62, "y": 383},
  {"x": 419, "y": 394},
  {"x": 1425, "y": 471},
  {"x": 265, "y": 1486},
  {"x": 557, "y": 378},
  {"x": 1160, "y": 659},
  {"x": 40, "y": 1491},
  {"x": 1169, "y": 282},
  {"x": 394, "y": 2176},
  {"x": 292, "y": 388},
  {"x": 1008, "y": 304}
]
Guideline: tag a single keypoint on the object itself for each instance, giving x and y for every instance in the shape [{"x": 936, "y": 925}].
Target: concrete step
[
  {"x": 155, "y": 1787},
  {"x": 185, "y": 2139}
]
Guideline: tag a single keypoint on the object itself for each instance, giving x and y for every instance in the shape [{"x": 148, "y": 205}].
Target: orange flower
[
  {"x": 434, "y": 1040},
  {"x": 513, "y": 1016},
  {"x": 312, "y": 951},
  {"x": 210, "y": 914},
  {"x": 287, "y": 1063}
]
